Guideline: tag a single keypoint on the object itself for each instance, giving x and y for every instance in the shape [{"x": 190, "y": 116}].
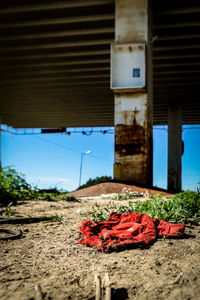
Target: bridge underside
[{"x": 55, "y": 62}]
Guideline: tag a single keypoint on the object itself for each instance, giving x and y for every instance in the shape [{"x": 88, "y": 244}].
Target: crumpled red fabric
[{"x": 125, "y": 230}]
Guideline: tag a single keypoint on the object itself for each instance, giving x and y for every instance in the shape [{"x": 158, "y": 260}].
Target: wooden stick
[
  {"x": 98, "y": 287},
  {"x": 38, "y": 292},
  {"x": 107, "y": 287}
]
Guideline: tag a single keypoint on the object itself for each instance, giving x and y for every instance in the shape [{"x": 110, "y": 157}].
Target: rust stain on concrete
[{"x": 130, "y": 139}]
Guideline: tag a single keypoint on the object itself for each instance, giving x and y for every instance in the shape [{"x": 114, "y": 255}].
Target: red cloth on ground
[{"x": 127, "y": 229}]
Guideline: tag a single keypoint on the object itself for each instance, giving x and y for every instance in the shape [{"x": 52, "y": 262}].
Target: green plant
[
  {"x": 198, "y": 188},
  {"x": 129, "y": 195},
  {"x": 8, "y": 211},
  {"x": 99, "y": 214},
  {"x": 52, "y": 218},
  {"x": 183, "y": 207},
  {"x": 56, "y": 217},
  {"x": 68, "y": 197},
  {"x": 180, "y": 208},
  {"x": 46, "y": 196},
  {"x": 13, "y": 187}
]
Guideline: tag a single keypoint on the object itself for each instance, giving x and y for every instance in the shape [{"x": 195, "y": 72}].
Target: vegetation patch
[
  {"x": 14, "y": 187},
  {"x": 180, "y": 208}
]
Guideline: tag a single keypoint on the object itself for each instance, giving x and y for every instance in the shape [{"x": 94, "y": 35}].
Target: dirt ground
[
  {"x": 48, "y": 254},
  {"x": 115, "y": 187}
]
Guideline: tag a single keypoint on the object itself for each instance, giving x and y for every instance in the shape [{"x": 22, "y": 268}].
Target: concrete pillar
[
  {"x": 175, "y": 148},
  {"x": 133, "y": 106}
]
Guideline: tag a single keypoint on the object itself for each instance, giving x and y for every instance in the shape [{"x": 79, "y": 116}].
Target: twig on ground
[
  {"x": 38, "y": 292},
  {"x": 98, "y": 287},
  {"x": 107, "y": 286},
  {"x": 103, "y": 290}
]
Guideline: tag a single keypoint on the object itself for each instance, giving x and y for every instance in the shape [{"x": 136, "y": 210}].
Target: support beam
[
  {"x": 176, "y": 47},
  {"x": 78, "y": 43},
  {"x": 160, "y": 57},
  {"x": 76, "y": 53},
  {"x": 69, "y": 78},
  {"x": 0, "y": 144},
  {"x": 53, "y": 6},
  {"x": 175, "y": 148},
  {"x": 68, "y": 70},
  {"x": 60, "y": 33},
  {"x": 178, "y": 11},
  {"x": 56, "y": 64},
  {"x": 133, "y": 108},
  {"x": 177, "y": 25},
  {"x": 53, "y": 21}
]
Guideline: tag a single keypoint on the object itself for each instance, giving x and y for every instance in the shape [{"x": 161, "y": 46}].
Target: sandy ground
[
  {"x": 115, "y": 187},
  {"x": 48, "y": 254}
]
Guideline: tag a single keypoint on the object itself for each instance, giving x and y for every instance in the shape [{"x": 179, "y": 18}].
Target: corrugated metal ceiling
[{"x": 55, "y": 62}]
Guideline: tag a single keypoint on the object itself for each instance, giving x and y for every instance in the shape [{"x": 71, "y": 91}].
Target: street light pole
[{"x": 82, "y": 154}]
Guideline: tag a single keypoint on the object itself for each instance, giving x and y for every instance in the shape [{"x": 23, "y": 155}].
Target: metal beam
[
  {"x": 53, "y": 6},
  {"x": 77, "y": 53},
  {"x": 61, "y": 86},
  {"x": 53, "y": 84},
  {"x": 61, "y": 71},
  {"x": 178, "y": 37},
  {"x": 175, "y": 47},
  {"x": 59, "y": 45},
  {"x": 65, "y": 90},
  {"x": 54, "y": 79},
  {"x": 60, "y": 33},
  {"x": 176, "y": 64},
  {"x": 178, "y": 11},
  {"x": 57, "y": 64},
  {"x": 52, "y": 21},
  {"x": 177, "y": 25},
  {"x": 176, "y": 72},
  {"x": 175, "y": 56},
  {"x": 177, "y": 84},
  {"x": 68, "y": 114}
]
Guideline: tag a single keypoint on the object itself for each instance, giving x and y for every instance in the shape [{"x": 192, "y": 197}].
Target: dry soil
[{"x": 48, "y": 254}]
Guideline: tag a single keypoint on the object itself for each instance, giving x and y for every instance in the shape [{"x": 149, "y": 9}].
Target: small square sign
[{"x": 136, "y": 72}]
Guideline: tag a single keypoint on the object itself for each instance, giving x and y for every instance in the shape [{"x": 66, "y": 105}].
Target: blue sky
[
  {"x": 51, "y": 160},
  {"x": 190, "y": 158}
]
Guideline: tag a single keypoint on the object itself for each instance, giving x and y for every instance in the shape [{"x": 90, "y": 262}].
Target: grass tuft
[{"x": 180, "y": 208}]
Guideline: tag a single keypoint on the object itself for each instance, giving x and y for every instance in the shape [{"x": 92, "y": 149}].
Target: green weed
[
  {"x": 8, "y": 211},
  {"x": 180, "y": 208},
  {"x": 128, "y": 195},
  {"x": 99, "y": 214},
  {"x": 68, "y": 197},
  {"x": 13, "y": 187},
  {"x": 52, "y": 218}
]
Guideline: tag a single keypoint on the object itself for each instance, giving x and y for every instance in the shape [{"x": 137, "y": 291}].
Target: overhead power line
[
  {"x": 58, "y": 145},
  {"x": 69, "y": 149},
  {"x": 37, "y": 131}
]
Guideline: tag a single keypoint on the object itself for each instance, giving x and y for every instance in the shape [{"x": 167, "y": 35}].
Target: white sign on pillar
[{"x": 128, "y": 72}]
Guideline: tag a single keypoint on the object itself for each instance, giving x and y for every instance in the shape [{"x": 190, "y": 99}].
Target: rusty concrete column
[
  {"x": 133, "y": 98},
  {"x": 175, "y": 148}
]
